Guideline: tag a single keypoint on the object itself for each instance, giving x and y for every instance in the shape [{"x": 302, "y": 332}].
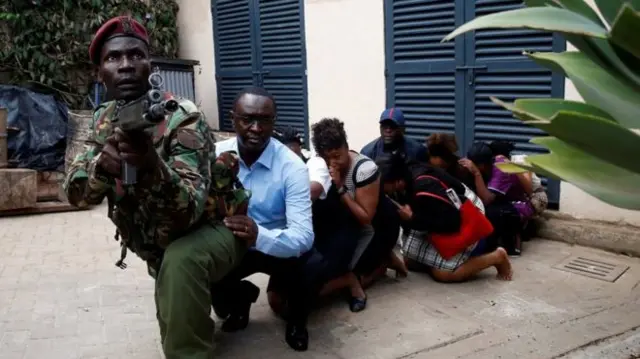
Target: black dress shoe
[
  {"x": 236, "y": 322},
  {"x": 238, "y": 318},
  {"x": 220, "y": 307},
  {"x": 297, "y": 337}
]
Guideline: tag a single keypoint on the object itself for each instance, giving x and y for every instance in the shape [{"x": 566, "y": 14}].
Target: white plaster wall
[
  {"x": 195, "y": 31},
  {"x": 345, "y": 64}
]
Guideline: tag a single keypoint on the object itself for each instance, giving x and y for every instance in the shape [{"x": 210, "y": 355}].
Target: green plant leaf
[
  {"x": 538, "y": 18},
  {"x": 546, "y": 108},
  {"x": 581, "y": 125},
  {"x": 595, "y": 136},
  {"x": 597, "y": 86},
  {"x": 610, "y": 8},
  {"x": 509, "y": 167},
  {"x": 597, "y": 49},
  {"x": 609, "y": 183},
  {"x": 625, "y": 30},
  {"x": 578, "y": 6}
]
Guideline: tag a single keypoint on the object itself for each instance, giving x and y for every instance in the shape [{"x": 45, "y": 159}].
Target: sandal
[{"x": 357, "y": 304}]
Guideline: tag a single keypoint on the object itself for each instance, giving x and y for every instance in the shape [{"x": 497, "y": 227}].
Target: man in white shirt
[{"x": 319, "y": 177}]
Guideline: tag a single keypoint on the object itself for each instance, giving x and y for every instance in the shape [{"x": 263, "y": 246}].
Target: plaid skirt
[{"x": 417, "y": 247}]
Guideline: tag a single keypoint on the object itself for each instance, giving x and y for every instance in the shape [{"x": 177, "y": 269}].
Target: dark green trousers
[{"x": 183, "y": 295}]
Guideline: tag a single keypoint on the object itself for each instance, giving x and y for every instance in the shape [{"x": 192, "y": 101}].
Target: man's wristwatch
[{"x": 342, "y": 190}]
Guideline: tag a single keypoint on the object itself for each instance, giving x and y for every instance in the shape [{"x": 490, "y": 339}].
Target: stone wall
[{"x": 78, "y": 132}]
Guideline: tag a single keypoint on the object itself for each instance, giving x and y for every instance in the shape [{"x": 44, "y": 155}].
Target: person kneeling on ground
[
  {"x": 426, "y": 215},
  {"x": 167, "y": 217},
  {"x": 279, "y": 219},
  {"x": 336, "y": 232},
  {"x": 505, "y": 198},
  {"x": 442, "y": 154},
  {"x": 530, "y": 182},
  {"x": 356, "y": 180}
]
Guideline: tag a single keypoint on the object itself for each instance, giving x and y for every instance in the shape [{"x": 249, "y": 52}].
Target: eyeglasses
[{"x": 251, "y": 120}]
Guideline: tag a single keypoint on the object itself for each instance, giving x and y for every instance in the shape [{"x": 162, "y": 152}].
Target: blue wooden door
[
  {"x": 421, "y": 75},
  {"x": 498, "y": 68},
  {"x": 445, "y": 87},
  {"x": 262, "y": 43},
  {"x": 282, "y": 59},
  {"x": 236, "y": 63}
]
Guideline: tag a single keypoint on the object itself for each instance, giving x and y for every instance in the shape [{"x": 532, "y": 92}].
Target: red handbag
[{"x": 474, "y": 226}]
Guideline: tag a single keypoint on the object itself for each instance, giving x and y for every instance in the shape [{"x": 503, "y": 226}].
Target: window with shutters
[
  {"x": 283, "y": 60},
  {"x": 446, "y": 87},
  {"x": 421, "y": 71},
  {"x": 234, "y": 54},
  {"x": 262, "y": 43}
]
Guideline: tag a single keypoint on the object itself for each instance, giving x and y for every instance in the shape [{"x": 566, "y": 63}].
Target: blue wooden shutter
[
  {"x": 235, "y": 58},
  {"x": 508, "y": 75},
  {"x": 282, "y": 56},
  {"x": 420, "y": 70}
]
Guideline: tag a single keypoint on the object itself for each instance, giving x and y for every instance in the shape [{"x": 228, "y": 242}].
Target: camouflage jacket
[{"x": 190, "y": 186}]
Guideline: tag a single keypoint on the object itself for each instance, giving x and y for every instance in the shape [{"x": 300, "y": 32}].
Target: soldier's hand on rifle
[
  {"x": 243, "y": 227},
  {"x": 110, "y": 161},
  {"x": 137, "y": 149}
]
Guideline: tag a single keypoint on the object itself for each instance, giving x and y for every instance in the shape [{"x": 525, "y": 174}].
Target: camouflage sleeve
[
  {"x": 179, "y": 187},
  {"x": 83, "y": 185}
]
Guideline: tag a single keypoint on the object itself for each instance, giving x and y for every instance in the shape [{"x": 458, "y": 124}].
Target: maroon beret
[{"x": 118, "y": 26}]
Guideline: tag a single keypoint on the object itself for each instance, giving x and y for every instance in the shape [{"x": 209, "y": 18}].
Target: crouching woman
[{"x": 424, "y": 214}]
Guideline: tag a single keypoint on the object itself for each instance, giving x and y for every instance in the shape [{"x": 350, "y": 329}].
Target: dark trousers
[
  {"x": 336, "y": 234},
  {"x": 386, "y": 224},
  {"x": 299, "y": 277},
  {"x": 506, "y": 225}
]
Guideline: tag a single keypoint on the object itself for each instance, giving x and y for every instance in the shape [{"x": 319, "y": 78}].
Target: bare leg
[
  {"x": 348, "y": 280},
  {"x": 393, "y": 262},
  {"x": 367, "y": 280},
  {"x": 497, "y": 258},
  {"x": 396, "y": 263}
]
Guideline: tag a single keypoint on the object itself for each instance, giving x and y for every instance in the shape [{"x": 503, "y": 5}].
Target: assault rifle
[{"x": 145, "y": 112}]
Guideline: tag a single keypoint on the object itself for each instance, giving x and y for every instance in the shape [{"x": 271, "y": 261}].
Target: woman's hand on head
[{"x": 468, "y": 164}]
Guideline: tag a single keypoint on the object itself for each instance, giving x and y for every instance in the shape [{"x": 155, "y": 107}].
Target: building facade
[{"x": 352, "y": 58}]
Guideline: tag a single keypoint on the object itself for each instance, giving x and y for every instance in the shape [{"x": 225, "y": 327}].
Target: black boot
[
  {"x": 220, "y": 305},
  {"x": 297, "y": 337},
  {"x": 238, "y": 318}
]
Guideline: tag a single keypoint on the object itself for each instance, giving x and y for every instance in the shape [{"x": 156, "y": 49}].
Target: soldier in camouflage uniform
[{"x": 172, "y": 218}]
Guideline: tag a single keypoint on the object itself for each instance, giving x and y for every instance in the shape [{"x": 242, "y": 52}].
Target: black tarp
[{"x": 41, "y": 120}]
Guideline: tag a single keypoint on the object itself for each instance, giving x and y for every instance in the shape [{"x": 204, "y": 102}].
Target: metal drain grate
[{"x": 592, "y": 268}]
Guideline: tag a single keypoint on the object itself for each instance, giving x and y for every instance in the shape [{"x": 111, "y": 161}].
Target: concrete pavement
[{"x": 62, "y": 297}]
